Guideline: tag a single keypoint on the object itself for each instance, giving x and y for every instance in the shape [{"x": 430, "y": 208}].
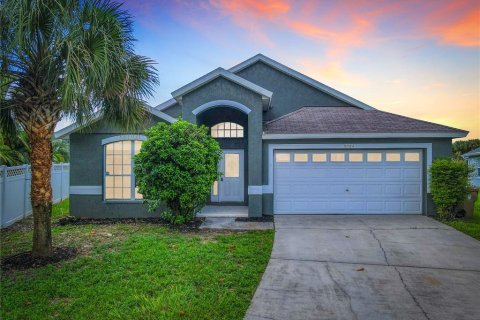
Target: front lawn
[
  {"x": 136, "y": 271},
  {"x": 471, "y": 226}
]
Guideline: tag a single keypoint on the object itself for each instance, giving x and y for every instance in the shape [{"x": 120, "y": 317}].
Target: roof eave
[
  {"x": 360, "y": 135},
  {"x": 65, "y": 132},
  {"x": 166, "y": 104}
]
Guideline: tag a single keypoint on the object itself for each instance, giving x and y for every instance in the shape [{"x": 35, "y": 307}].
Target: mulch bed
[
  {"x": 74, "y": 221},
  {"x": 25, "y": 260},
  {"x": 255, "y": 219}
]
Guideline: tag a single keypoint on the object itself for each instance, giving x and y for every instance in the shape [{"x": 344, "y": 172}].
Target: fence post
[
  {"x": 25, "y": 191},
  {"x": 2, "y": 196},
  {"x": 61, "y": 181}
]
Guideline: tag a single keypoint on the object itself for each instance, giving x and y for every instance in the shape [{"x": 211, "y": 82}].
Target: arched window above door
[{"x": 227, "y": 130}]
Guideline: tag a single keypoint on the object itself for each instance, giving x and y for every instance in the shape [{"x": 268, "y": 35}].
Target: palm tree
[{"x": 66, "y": 58}]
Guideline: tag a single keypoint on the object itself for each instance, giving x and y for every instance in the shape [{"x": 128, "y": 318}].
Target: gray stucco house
[
  {"x": 473, "y": 160},
  {"x": 291, "y": 144}
]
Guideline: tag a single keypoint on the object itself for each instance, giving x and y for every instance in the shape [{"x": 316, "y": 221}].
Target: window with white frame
[
  {"x": 119, "y": 177},
  {"x": 227, "y": 130}
]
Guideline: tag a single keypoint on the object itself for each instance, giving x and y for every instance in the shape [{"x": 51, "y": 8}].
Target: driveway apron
[{"x": 368, "y": 267}]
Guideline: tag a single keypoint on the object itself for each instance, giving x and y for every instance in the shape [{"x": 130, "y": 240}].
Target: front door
[{"x": 230, "y": 187}]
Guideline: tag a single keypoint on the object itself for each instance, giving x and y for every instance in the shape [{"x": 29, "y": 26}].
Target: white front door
[
  {"x": 230, "y": 187},
  {"x": 348, "y": 181}
]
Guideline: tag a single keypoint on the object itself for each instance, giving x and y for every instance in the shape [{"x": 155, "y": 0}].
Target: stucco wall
[
  {"x": 86, "y": 169},
  {"x": 440, "y": 148},
  {"x": 289, "y": 94},
  {"x": 174, "y": 111}
]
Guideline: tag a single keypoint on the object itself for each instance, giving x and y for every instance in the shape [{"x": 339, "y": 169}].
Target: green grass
[
  {"x": 137, "y": 271},
  {"x": 470, "y": 226}
]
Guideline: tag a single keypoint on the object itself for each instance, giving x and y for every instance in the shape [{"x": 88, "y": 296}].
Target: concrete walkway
[
  {"x": 215, "y": 223},
  {"x": 368, "y": 267}
]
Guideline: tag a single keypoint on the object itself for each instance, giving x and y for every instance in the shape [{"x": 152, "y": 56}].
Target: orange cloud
[
  {"x": 464, "y": 31},
  {"x": 260, "y": 9},
  {"x": 332, "y": 73}
]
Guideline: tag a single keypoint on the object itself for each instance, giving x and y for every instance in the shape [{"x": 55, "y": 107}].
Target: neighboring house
[
  {"x": 291, "y": 145},
  {"x": 473, "y": 160}
]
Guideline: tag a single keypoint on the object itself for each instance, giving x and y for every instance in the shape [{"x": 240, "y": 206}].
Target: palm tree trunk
[{"x": 41, "y": 193}]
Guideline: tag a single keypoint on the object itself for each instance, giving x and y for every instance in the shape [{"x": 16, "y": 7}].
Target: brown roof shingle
[{"x": 349, "y": 120}]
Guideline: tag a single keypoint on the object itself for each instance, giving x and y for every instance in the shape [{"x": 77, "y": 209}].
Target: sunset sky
[{"x": 416, "y": 58}]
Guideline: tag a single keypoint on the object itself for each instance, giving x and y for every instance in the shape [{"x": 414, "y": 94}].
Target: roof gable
[
  {"x": 301, "y": 77},
  {"x": 220, "y": 72}
]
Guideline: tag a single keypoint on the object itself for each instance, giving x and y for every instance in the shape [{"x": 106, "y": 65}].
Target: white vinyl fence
[{"x": 15, "y": 190}]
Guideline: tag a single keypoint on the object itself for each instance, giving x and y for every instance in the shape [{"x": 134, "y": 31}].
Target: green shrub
[
  {"x": 177, "y": 166},
  {"x": 449, "y": 185}
]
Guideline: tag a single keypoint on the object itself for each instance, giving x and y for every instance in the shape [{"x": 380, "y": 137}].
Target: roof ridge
[{"x": 285, "y": 115}]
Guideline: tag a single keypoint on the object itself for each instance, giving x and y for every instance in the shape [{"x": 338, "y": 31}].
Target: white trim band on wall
[
  {"x": 86, "y": 190},
  {"x": 255, "y": 190},
  {"x": 220, "y": 103},
  {"x": 124, "y": 137}
]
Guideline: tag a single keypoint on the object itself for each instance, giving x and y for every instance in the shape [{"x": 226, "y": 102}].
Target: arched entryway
[{"x": 230, "y": 127}]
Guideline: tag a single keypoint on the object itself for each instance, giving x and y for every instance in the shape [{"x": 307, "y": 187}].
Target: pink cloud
[{"x": 464, "y": 31}]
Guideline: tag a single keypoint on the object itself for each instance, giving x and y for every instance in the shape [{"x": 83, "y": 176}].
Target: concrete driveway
[{"x": 369, "y": 267}]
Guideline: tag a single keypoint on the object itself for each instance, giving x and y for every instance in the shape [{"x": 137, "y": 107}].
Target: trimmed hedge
[
  {"x": 177, "y": 165},
  {"x": 449, "y": 185}
]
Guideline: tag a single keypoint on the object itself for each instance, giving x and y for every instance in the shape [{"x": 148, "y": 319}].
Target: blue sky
[{"x": 416, "y": 58}]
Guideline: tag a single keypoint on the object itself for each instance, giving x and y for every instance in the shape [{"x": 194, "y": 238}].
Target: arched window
[
  {"x": 119, "y": 177},
  {"x": 227, "y": 130}
]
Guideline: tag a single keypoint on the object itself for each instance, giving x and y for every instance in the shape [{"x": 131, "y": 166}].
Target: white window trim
[
  {"x": 242, "y": 128},
  {"x": 126, "y": 137}
]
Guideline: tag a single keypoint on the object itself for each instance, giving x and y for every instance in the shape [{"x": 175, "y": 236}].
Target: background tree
[
  {"x": 177, "y": 166},
  {"x": 463, "y": 146},
  {"x": 66, "y": 58},
  {"x": 60, "y": 150},
  {"x": 14, "y": 151}
]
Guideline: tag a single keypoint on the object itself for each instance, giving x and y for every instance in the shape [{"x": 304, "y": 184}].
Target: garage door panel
[
  {"x": 375, "y": 173},
  {"x": 393, "y": 206},
  {"x": 412, "y": 189},
  {"x": 411, "y": 206},
  {"x": 356, "y": 173},
  {"x": 393, "y": 189},
  {"x": 412, "y": 173},
  {"x": 375, "y": 206},
  {"x": 368, "y": 186},
  {"x": 374, "y": 189},
  {"x": 393, "y": 173},
  {"x": 356, "y": 206}
]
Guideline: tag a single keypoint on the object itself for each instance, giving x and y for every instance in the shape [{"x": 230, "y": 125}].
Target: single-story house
[
  {"x": 473, "y": 160},
  {"x": 291, "y": 145}
]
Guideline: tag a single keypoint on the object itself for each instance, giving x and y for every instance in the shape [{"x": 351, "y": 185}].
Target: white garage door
[{"x": 348, "y": 182}]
